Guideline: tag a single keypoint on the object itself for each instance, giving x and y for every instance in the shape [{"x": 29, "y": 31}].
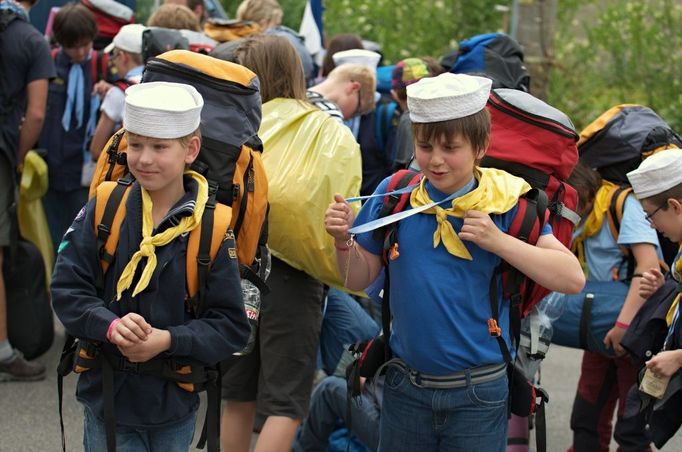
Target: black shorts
[
  {"x": 279, "y": 372},
  {"x": 7, "y": 188}
]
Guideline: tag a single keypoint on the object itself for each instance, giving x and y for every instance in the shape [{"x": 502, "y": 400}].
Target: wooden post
[{"x": 535, "y": 33}]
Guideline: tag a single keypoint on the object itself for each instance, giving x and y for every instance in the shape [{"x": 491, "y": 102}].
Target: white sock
[{"x": 6, "y": 351}]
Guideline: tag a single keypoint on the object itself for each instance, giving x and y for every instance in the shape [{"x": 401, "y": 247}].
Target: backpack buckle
[
  {"x": 493, "y": 328},
  {"x": 126, "y": 366}
]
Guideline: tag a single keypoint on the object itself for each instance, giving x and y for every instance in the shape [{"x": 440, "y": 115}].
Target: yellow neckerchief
[
  {"x": 593, "y": 222},
  {"x": 497, "y": 192},
  {"x": 671, "y": 312},
  {"x": 149, "y": 243},
  {"x": 677, "y": 265}
]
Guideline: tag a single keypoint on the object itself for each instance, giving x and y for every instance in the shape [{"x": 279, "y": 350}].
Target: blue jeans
[
  {"x": 471, "y": 418},
  {"x": 345, "y": 322},
  {"x": 327, "y": 406},
  {"x": 174, "y": 438}
]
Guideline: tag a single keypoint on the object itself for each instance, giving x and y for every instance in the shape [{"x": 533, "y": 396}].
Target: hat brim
[{"x": 110, "y": 48}]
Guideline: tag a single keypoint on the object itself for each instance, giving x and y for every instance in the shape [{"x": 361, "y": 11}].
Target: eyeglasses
[{"x": 650, "y": 217}]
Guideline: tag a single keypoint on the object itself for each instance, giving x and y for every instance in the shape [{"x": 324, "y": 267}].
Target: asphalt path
[{"x": 29, "y": 419}]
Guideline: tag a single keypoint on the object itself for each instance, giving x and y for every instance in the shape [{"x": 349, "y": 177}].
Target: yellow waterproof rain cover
[
  {"x": 32, "y": 221},
  {"x": 308, "y": 156}
]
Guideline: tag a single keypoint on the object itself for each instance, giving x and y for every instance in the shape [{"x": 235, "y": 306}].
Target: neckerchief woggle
[{"x": 381, "y": 222}]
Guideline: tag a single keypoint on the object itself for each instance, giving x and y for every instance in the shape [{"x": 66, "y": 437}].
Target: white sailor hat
[
  {"x": 658, "y": 173},
  {"x": 162, "y": 109},
  {"x": 364, "y": 57},
  {"x": 447, "y": 96}
]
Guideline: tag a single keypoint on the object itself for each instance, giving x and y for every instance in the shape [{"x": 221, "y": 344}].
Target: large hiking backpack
[
  {"x": 230, "y": 155},
  {"x": 537, "y": 142},
  {"x": 223, "y": 30},
  {"x": 494, "y": 55},
  {"x": 110, "y": 17},
  {"x": 618, "y": 140}
]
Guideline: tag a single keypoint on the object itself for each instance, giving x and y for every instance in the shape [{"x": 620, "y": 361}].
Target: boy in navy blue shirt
[
  {"x": 446, "y": 387},
  {"x": 140, "y": 314}
]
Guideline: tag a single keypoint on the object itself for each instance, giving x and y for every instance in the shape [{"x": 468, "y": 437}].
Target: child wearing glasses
[{"x": 607, "y": 254}]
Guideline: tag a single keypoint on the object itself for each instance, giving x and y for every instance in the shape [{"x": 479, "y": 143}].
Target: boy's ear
[{"x": 193, "y": 149}]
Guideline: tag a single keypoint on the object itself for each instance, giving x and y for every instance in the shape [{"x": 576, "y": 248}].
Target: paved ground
[{"x": 29, "y": 420}]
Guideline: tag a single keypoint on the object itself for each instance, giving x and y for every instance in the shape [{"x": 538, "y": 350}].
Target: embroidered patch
[
  {"x": 229, "y": 235},
  {"x": 232, "y": 252},
  {"x": 80, "y": 215}
]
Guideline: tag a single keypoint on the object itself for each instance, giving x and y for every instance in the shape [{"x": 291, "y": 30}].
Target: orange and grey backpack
[{"x": 230, "y": 159}]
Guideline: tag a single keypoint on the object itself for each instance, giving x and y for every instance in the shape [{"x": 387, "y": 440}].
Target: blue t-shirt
[
  {"x": 603, "y": 254},
  {"x": 440, "y": 303}
]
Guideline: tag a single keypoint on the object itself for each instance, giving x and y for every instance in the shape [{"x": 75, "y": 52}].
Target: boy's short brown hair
[
  {"x": 474, "y": 128},
  {"x": 661, "y": 199},
  {"x": 74, "y": 25}
]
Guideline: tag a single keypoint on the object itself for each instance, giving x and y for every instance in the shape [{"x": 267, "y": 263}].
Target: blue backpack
[{"x": 494, "y": 55}]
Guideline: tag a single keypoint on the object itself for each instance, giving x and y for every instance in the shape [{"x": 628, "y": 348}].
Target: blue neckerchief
[
  {"x": 75, "y": 96},
  {"x": 16, "y": 8}
]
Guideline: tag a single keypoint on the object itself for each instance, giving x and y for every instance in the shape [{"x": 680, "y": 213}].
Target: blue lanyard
[{"x": 673, "y": 325}]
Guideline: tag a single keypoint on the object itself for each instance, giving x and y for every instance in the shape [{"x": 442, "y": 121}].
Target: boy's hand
[
  {"x": 480, "y": 229},
  {"x": 651, "y": 281},
  {"x": 613, "y": 338},
  {"x": 157, "y": 342},
  {"x": 131, "y": 329},
  {"x": 665, "y": 363},
  {"x": 339, "y": 218},
  {"x": 101, "y": 88}
]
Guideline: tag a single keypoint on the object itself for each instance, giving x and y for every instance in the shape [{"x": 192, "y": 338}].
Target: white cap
[
  {"x": 658, "y": 173},
  {"x": 162, "y": 110},
  {"x": 363, "y": 57},
  {"x": 128, "y": 39},
  {"x": 448, "y": 96}
]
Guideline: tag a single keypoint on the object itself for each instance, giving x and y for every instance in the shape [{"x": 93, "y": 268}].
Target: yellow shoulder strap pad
[
  {"x": 103, "y": 195},
  {"x": 221, "y": 224}
]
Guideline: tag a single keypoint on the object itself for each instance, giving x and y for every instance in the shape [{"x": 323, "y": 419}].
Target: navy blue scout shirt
[
  {"x": 440, "y": 303},
  {"x": 222, "y": 329},
  {"x": 65, "y": 149}
]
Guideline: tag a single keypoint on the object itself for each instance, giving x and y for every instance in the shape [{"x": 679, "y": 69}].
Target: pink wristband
[
  {"x": 622, "y": 325},
  {"x": 112, "y": 325}
]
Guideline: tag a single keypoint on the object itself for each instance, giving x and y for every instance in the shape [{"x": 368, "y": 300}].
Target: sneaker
[{"x": 18, "y": 369}]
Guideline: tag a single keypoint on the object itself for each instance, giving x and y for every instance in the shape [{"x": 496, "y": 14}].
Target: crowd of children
[{"x": 444, "y": 382}]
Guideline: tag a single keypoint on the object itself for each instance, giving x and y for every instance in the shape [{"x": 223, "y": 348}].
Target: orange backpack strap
[
  {"x": 202, "y": 249},
  {"x": 109, "y": 213}
]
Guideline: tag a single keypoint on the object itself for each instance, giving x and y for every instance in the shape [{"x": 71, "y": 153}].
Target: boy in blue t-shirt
[
  {"x": 448, "y": 383},
  {"x": 136, "y": 316}
]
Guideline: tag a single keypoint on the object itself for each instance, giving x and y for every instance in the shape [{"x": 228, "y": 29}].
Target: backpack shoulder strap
[
  {"x": 99, "y": 66},
  {"x": 109, "y": 213},
  {"x": 614, "y": 214},
  {"x": 383, "y": 120},
  {"x": 394, "y": 203},
  {"x": 202, "y": 249}
]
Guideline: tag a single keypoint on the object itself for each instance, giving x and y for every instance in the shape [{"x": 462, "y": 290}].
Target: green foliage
[
  {"x": 414, "y": 28},
  {"x": 616, "y": 52}
]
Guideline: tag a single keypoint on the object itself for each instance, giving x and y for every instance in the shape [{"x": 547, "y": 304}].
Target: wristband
[
  {"x": 112, "y": 325},
  {"x": 622, "y": 325}
]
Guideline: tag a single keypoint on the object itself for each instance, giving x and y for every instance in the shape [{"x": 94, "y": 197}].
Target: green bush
[{"x": 615, "y": 52}]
